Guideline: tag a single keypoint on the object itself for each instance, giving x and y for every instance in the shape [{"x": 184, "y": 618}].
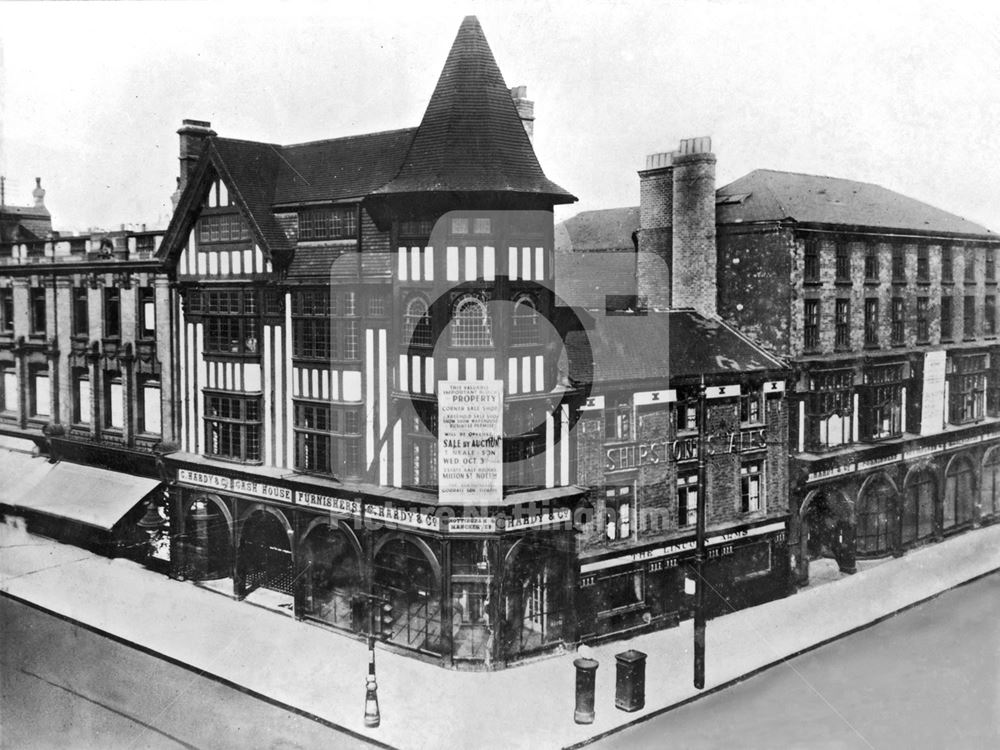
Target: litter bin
[
  {"x": 630, "y": 687},
  {"x": 586, "y": 674}
]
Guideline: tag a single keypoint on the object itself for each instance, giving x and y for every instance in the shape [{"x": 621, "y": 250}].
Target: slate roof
[
  {"x": 770, "y": 195},
  {"x": 607, "y": 229},
  {"x": 659, "y": 345},
  {"x": 805, "y": 198},
  {"x": 251, "y": 170},
  {"x": 340, "y": 168},
  {"x": 586, "y": 279},
  {"x": 471, "y": 138}
]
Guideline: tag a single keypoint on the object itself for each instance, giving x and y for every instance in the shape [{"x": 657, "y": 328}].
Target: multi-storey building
[
  {"x": 82, "y": 373},
  {"x": 887, "y": 309}
]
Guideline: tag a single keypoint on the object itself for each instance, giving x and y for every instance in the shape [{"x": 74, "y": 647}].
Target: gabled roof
[
  {"x": 659, "y": 346},
  {"x": 770, "y": 195},
  {"x": 471, "y": 137},
  {"x": 250, "y": 171}
]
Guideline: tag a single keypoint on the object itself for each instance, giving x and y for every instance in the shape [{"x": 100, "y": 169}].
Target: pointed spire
[{"x": 471, "y": 138}]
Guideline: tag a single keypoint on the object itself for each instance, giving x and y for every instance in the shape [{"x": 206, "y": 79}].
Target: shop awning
[
  {"x": 19, "y": 473},
  {"x": 88, "y": 495}
]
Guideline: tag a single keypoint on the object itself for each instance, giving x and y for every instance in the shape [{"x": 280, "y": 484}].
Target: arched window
[
  {"x": 417, "y": 324},
  {"x": 525, "y": 329},
  {"x": 958, "y": 488},
  {"x": 471, "y": 324},
  {"x": 991, "y": 484},
  {"x": 875, "y": 509}
]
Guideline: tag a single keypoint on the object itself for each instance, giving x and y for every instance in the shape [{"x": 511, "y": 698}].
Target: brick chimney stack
[
  {"x": 656, "y": 220},
  {"x": 694, "y": 282},
  {"x": 525, "y": 109},
  {"x": 193, "y": 134},
  {"x": 677, "y": 252}
]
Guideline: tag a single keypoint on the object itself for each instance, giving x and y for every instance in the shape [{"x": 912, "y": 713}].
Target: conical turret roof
[{"x": 471, "y": 138}]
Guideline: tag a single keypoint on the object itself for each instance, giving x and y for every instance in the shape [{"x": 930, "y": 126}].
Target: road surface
[
  {"x": 927, "y": 678},
  {"x": 62, "y": 686}
]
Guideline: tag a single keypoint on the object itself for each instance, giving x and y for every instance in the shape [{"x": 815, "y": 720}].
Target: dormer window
[{"x": 328, "y": 223}]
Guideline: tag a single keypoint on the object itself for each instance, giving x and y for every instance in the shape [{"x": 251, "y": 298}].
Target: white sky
[{"x": 905, "y": 94}]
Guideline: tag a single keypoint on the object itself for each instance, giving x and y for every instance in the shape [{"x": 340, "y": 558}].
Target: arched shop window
[
  {"x": 333, "y": 579},
  {"x": 405, "y": 579},
  {"x": 959, "y": 487},
  {"x": 875, "y": 511},
  {"x": 990, "y": 498},
  {"x": 918, "y": 507},
  {"x": 206, "y": 540}
]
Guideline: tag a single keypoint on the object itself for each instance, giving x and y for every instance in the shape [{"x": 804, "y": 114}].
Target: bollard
[
  {"x": 373, "y": 717},
  {"x": 630, "y": 686},
  {"x": 586, "y": 674}
]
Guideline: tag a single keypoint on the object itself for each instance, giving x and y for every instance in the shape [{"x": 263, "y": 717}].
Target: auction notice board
[{"x": 470, "y": 441}]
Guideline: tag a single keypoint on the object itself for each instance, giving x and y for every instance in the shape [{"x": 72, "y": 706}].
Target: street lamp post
[{"x": 699, "y": 554}]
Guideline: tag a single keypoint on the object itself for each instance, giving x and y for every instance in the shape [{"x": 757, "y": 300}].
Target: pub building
[
  {"x": 372, "y": 431},
  {"x": 637, "y": 447}
]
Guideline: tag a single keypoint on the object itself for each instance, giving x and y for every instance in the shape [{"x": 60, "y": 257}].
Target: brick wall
[
  {"x": 754, "y": 277},
  {"x": 694, "y": 251},
  {"x": 657, "y": 515}
]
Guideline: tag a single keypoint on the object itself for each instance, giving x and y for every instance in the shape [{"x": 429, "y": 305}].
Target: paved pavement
[{"x": 323, "y": 673}]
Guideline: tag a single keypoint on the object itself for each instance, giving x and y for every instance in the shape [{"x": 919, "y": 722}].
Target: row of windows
[
  {"x": 223, "y": 228},
  {"x": 842, "y": 262},
  {"x": 111, "y": 306},
  {"x": 897, "y": 329},
  {"x": 471, "y": 323},
  {"x": 620, "y": 510},
  {"x": 328, "y": 223},
  {"x": 619, "y": 415},
  {"x": 111, "y": 412},
  {"x": 973, "y": 391}
]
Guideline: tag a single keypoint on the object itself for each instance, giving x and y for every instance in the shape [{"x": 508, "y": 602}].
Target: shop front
[
  {"x": 645, "y": 588},
  {"x": 476, "y": 590}
]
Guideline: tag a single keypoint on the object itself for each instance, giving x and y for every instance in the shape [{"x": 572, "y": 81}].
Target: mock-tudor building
[
  {"x": 376, "y": 412},
  {"x": 887, "y": 309}
]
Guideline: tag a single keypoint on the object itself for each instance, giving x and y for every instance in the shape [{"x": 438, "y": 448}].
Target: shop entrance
[
  {"x": 206, "y": 541},
  {"x": 534, "y": 601},
  {"x": 827, "y": 529},
  {"x": 265, "y": 556},
  {"x": 408, "y": 577},
  {"x": 919, "y": 499},
  {"x": 333, "y": 579}
]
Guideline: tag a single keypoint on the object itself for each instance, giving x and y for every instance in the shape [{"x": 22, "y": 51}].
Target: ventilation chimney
[
  {"x": 525, "y": 109},
  {"x": 193, "y": 134},
  {"x": 656, "y": 218},
  {"x": 694, "y": 251}
]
